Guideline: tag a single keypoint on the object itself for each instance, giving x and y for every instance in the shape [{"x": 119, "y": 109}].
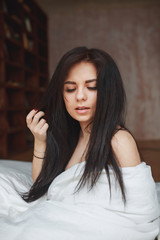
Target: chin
[{"x": 83, "y": 119}]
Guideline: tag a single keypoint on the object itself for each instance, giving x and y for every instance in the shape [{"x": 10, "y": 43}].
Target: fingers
[
  {"x": 33, "y": 118},
  {"x": 29, "y": 117},
  {"x": 37, "y": 126},
  {"x": 40, "y": 124},
  {"x": 41, "y": 130},
  {"x": 37, "y": 117}
]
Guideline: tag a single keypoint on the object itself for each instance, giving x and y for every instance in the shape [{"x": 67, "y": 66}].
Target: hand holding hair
[{"x": 37, "y": 127}]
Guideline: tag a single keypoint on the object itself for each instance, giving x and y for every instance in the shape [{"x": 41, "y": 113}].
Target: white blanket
[{"x": 60, "y": 215}]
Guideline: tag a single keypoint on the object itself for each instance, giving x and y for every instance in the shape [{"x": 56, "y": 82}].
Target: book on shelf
[
  {"x": 7, "y": 30},
  {"x": 6, "y": 52},
  {"x": 3, "y": 123},
  {"x": 27, "y": 43},
  {"x": 11, "y": 33},
  {"x": 25, "y": 40},
  {"x": 30, "y": 45},
  {"x": 27, "y": 23},
  {"x": 17, "y": 19},
  {"x": 15, "y": 84},
  {"x": 16, "y": 36},
  {"x": 26, "y": 7},
  {"x": 2, "y": 98},
  {"x": 1, "y": 52}
]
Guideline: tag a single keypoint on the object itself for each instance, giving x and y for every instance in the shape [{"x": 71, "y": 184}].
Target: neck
[{"x": 84, "y": 134}]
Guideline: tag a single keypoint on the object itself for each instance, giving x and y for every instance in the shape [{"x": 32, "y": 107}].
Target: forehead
[{"x": 82, "y": 71}]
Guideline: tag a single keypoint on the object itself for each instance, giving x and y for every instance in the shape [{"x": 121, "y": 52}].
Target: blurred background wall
[{"x": 130, "y": 32}]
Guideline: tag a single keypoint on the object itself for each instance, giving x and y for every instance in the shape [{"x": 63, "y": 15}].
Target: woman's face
[{"x": 80, "y": 92}]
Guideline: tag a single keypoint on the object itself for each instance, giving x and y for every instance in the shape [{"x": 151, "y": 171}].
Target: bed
[{"x": 18, "y": 175}]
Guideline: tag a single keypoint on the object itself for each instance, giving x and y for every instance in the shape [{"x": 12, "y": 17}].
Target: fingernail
[{"x": 35, "y": 109}]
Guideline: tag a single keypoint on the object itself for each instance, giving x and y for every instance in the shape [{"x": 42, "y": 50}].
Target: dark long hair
[{"x": 63, "y": 132}]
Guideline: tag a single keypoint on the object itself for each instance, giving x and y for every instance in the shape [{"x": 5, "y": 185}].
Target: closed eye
[
  {"x": 90, "y": 88},
  {"x": 70, "y": 90}
]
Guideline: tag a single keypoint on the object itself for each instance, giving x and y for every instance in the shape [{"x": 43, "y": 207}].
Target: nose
[{"x": 81, "y": 95}]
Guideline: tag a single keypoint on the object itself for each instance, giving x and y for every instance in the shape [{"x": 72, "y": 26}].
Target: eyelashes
[{"x": 90, "y": 88}]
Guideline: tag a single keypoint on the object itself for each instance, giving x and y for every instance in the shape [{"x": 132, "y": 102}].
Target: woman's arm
[
  {"x": 39, "y": 150},
  {"x": 125, "y": 149},
  {"x": 38, "y": 129}
]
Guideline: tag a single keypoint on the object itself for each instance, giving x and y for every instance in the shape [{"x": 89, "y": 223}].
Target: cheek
[
  {"x": 67, "y": 100},
  {"x": 94, "y": 99}
]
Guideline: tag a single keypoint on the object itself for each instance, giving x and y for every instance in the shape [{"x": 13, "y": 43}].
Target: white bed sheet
[{"x": 21, "y": 173}]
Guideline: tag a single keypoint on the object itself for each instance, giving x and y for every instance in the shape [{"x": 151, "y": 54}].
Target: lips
[{"x": 81, "y": 108}]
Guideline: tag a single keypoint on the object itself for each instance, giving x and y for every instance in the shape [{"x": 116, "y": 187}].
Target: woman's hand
[{"x": 36, "y": 126}]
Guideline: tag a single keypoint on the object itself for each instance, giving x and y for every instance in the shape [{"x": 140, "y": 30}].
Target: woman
[{"x": 79, "y": 125}]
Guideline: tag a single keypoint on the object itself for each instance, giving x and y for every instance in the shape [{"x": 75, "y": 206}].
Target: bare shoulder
[{"x": 125, "y": 149}]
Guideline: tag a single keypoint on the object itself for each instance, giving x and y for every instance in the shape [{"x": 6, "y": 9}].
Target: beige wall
[{"x": 130, "y": 32}]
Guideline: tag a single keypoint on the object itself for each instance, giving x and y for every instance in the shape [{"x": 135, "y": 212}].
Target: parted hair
[{"x": 63, "y": 131}]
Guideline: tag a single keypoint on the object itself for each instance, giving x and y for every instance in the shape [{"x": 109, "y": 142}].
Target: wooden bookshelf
[{"x": 23, "y": 71}]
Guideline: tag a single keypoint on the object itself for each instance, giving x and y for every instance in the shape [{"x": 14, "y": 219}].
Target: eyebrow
[{"x": 87, "y": 81}]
